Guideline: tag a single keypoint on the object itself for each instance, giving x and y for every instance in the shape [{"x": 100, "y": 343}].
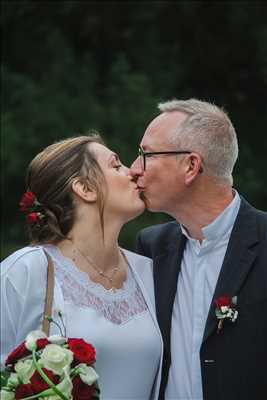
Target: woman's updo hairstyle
[{"x": 50, "y": 176}]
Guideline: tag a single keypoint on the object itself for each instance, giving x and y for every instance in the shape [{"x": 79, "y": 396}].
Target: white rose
[
  {"x": 55, "y": 358},
  {"x": 32, "y": 338},
  {"x": 4, "y": 395},
  {"x": 65, "y": 387},
  {"x": 224, "y": 309},
  {"x": 87, "y": 374},
  {"x": 13, "y": 380},
  {"x": 25, "y": 370},
  {"x": 57, "y": 339}
]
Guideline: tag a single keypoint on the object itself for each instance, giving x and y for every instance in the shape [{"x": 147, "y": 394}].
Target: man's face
[{"x": 162, "y": 180}]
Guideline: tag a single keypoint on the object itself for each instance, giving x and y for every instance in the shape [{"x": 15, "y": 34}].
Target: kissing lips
[{"x": 141, "y": 188}]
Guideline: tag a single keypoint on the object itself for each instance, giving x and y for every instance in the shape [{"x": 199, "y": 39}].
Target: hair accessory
[{"x": 31, "y": 207}]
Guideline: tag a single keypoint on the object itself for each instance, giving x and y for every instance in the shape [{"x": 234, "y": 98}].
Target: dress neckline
[{"x": 84, "y": 278}]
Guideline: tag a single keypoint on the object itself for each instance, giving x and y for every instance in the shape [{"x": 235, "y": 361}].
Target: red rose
[
  {"x": 83, "y": 352},
  {"x": 15, "y": 355},
  {"x": 27, "y": 201},
  {"x": 41, "y": 343},
  {"x": 32, "y": 218},
  {"x": 223, "y": 301},
  {"x": 38, "y": 384},
  {"x": 82, "y": 391},
  {"x": 23, "y": 391}
]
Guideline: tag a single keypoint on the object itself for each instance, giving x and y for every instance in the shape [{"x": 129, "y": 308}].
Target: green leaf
[{"x": 4, "y": 378}]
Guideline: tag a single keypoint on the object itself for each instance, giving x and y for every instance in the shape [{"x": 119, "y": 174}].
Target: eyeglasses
[{"x": 144, "y": 154}]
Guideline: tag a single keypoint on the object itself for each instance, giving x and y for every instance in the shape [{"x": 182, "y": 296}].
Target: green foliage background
[{"x": 72, "y": 66}]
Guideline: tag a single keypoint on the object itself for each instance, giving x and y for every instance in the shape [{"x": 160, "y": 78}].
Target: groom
[{"x": 210, "y": 264}]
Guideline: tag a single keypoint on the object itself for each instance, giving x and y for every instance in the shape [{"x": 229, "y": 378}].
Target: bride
[{"x": 81, "y": 196}]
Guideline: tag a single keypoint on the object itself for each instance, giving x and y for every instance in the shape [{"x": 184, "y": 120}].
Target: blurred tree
[{"x": 72, "y": 66}]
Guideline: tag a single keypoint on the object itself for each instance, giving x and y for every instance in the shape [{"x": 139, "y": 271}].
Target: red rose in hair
[
  {"x": 223, "y": 301},
  {"x": 32, "y": 218},
  {"x": 23, "y": 391},
  {"x": 17, "y": 353},
  {"x": 27, "y": 201},
  {"x": 83, "y": 352},
  {"x": 38, "y": 384},
  {"x": 81, "y": 391}
]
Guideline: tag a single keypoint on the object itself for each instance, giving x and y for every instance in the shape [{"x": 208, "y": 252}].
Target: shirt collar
[{"x": 221, "y": 224}]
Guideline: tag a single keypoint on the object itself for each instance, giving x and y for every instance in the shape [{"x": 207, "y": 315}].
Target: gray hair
[{"x": 208, "y": 131}]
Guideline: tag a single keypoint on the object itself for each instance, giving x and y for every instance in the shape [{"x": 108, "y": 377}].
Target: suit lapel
[
  {"x": 166, "y": 268},
  {"x": 238, "y": 260}
]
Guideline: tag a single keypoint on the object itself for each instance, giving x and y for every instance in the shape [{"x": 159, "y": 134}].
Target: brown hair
[{"x": 49, "y": 177}]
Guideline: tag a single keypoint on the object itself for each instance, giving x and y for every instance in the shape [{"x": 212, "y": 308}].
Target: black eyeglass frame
[{"x": 143, "y": 154}]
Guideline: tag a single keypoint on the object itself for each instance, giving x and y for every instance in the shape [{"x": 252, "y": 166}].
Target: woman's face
[{"x": 121, "y": 195}]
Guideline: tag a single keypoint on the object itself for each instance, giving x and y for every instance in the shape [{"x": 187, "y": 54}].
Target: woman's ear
[{"x": 82, "y": 190}]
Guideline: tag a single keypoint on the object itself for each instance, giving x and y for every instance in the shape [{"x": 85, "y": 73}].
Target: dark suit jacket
[{"x": 234, "y": 361}]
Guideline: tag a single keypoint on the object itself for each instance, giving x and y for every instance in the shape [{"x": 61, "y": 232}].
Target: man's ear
[
  {"x": 193, "y": 168},
  {"x": 82, "y": 190}
]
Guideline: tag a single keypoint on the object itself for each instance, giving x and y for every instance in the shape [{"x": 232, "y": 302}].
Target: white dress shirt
[{"x": 200, "y": 268}]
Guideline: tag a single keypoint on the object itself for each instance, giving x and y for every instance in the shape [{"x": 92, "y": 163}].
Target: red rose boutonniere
[{"x": 225, "y": 309}]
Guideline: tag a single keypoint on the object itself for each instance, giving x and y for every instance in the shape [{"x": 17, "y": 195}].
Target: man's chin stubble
[{"x": 144, "y": 199}]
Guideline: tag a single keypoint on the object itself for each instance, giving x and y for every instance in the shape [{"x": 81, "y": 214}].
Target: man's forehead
[
  {"x": 161, "y": 128},
  {"x": 153, "y": 142}
]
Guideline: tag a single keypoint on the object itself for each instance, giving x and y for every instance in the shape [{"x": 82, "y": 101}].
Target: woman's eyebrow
[{"x": 112, "y": 157}]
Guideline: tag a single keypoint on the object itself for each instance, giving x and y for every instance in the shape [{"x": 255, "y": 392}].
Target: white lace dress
[{"x": 121, "y": 325}]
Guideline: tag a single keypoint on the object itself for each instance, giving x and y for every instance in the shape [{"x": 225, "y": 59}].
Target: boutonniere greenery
[{"x": 225, "y": 310}]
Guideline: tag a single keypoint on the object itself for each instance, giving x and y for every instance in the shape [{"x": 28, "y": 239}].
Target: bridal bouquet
[{"x": 50, "y": 368}]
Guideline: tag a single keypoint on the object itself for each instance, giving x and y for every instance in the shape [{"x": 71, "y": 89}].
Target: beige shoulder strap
[{"x": 49, "y": 295}]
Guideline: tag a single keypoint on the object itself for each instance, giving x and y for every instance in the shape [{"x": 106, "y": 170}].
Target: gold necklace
[{"x": 95, "y": 267}]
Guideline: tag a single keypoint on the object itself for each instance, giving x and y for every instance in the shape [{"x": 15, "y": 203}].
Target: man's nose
[{"x": 136, "y": 169}]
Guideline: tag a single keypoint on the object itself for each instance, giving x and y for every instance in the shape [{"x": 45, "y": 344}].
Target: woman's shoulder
[{"x": 24, "y": 258}]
